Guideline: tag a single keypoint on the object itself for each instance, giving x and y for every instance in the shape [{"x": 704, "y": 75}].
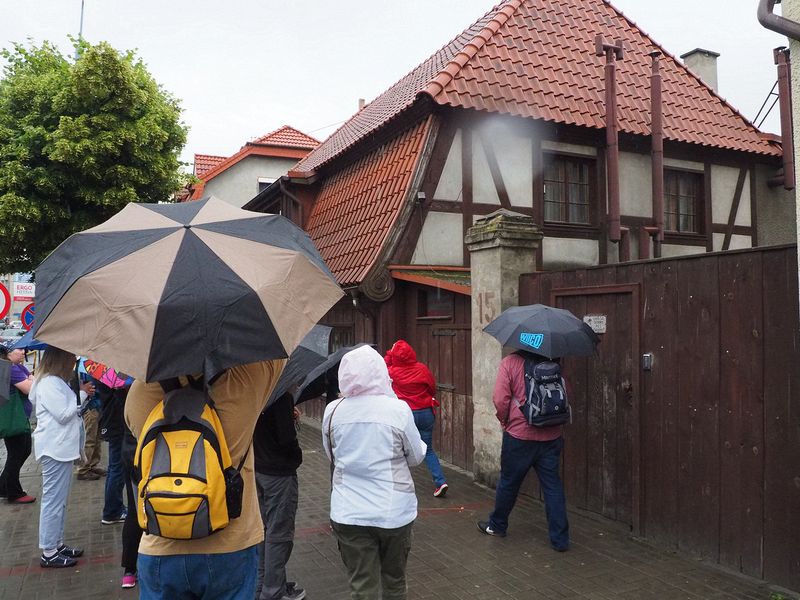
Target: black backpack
[{"x": 545, "y": 402}]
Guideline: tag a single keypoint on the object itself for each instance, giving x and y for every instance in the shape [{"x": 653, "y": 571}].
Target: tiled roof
[
  {"x": 535, "y": 58},
  {"x": 357, "y": 206},
  {"x": 203, "y": 163},
  {"x": 288, "y": 137},
  {"x": 286, "y": 142}
]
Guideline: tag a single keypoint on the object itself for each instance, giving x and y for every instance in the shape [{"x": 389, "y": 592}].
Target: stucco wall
[
  {"x": 239, "y": 183},
  {"x": 776, "y": 211},
  {"x": 564, "y": 253},
  {"x": 440, "y": 242}
]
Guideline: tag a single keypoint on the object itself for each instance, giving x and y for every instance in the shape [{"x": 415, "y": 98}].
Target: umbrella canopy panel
[
  {"x": 161, "y": 290},
  {"x": 544, "y": 330}
]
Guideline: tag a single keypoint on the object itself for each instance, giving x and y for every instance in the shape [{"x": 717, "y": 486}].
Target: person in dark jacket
[
  {"x": 112, "y": 430},
  {"x": 413, "y": 382},
  {"x": 277, "y": 456}
]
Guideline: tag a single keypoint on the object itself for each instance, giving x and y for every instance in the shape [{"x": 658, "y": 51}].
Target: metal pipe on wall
[
  {"x": 612, "y": 52},
  {"x": 782, "y": 59},
  {"x": 777, "y": 23},
  {"x": 657, "y": 154}
]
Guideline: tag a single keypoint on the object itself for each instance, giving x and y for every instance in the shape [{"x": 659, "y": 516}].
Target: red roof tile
[
  {"x": 357, "y": 206},
  {"x": 205, "y": 162},
  {"x": 288, "y": 137},
  {"x": 535, "y": 59}
]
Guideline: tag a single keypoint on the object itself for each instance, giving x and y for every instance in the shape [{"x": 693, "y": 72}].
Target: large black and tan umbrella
[{"x": 161, "y": 290}]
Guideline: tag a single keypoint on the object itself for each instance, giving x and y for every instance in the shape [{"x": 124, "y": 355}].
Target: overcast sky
[{"x": 243, "y": 68}]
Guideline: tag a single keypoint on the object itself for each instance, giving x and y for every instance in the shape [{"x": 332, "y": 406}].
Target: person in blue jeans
[
  {"x": 524, "y": 448},
  {"x": 413, "y": 382}
]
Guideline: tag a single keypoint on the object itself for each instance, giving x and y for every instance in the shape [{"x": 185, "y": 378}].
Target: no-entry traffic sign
[
  {"x": 27, "y": 316},
  {"x": 5, "y": 301}
]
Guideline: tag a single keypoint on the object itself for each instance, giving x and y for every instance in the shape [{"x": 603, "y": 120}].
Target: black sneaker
[
  {"x": 70, "y": 552},
  {"x": 57, "y": 561},
  {"x": 293, "y": 593},
  {"x": 119, "y": 519},
  {"x": 485, "y": 528}
]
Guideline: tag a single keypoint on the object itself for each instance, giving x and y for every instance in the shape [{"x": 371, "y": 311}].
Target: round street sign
[
  {"x": 27, "y": 316},
  {"x": 5, "y": 301}
]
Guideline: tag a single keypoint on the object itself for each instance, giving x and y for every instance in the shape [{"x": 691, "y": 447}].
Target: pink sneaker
[
  {"x": 441, "y": 491},
  {"x": 129, "y": 580}
]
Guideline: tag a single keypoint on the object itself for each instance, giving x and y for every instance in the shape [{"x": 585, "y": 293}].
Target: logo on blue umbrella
[{"x": 534, "y": 340}]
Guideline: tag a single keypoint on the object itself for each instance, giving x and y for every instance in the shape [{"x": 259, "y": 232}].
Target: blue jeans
[
  {"x": 56, "y": 483},
  {"x": 115, "y": 481},
  {"x": 424, "y": 420},
  {"x": 227, "y": 576},
  {"x": 517, "y": 457}
]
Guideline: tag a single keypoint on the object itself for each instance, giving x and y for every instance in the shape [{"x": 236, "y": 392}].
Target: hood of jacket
[
  {"x": 363, "y": 372},
  {"x": 402, "y": 353}
]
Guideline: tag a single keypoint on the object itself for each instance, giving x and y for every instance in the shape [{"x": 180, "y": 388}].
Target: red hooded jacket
[{"x": 411, "y": 380}]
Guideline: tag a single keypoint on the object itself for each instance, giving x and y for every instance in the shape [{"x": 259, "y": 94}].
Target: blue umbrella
[{"x": 27, "y": 342}]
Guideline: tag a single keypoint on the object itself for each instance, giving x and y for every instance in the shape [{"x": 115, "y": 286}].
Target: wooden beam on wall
[
  {"x": 737, "y": 197},
  {"x": 466, "y": 186},
  {"x": 753, "y": 207},
  {"x": 707, "y": 202},
  {"x": 494, "y": 169}
]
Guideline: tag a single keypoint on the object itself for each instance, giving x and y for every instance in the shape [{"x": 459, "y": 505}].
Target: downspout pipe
[
  {"x": 782, "y": 25},
  {"x": 657, "y": 155},
  {"x": 612, "y": 52},
  {"x": 782, "y": 59}
]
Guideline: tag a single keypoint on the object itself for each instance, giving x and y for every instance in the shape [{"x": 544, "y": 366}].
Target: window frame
[
  {"x": 701, "y": 227},
  {"x": 548, "y": 157}
]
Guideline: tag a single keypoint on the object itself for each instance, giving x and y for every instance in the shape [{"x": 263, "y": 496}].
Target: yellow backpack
[{"x": 187, "y": 487}]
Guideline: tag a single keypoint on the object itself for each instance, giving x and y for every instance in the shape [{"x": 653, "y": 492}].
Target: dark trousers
[
  {"x": 517, "y": 457},
  {"x": 18, "y": 448},
  {"x": 115, "y": 480},
  {"x": 375, "y": 558},
  {"x": 131, "y": 532},
  {"x": 277, "y": 499}
]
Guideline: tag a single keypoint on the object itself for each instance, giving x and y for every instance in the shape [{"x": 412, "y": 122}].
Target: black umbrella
[
  {"x": 162, "y": 290},
  {"x": 544, "y": 330},
  {"x": 312, "y": 351},
  {"x": 310, "y": 386}
]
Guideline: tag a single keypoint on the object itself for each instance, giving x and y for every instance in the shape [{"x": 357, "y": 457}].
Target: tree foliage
[{"x": 78, "y": 141}]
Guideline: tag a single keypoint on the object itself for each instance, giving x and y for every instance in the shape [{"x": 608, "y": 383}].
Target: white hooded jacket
[{"x": 374, "y": 442}]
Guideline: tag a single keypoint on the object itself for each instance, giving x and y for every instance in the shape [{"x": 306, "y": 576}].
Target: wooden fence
[{"x": 700, "y": 452}]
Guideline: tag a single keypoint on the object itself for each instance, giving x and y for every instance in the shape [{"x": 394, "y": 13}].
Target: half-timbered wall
[{"x": 487, "y": 162}]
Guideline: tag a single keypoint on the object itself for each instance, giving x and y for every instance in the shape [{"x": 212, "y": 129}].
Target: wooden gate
[{"x": 700, "y": 451}]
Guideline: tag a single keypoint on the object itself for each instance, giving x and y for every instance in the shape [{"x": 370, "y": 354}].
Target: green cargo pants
[{"x": 375, "y": 558}]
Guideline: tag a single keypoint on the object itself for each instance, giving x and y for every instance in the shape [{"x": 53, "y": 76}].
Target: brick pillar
[{"x": 502, "y": 246}]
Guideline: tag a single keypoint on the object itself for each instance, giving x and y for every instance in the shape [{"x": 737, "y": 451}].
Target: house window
[
  {"x": 567, "y": 190},
  {"x": 683, "y": 201},
  {"x": 264, "y": 182},
  {"x": 434, "y": 303}
]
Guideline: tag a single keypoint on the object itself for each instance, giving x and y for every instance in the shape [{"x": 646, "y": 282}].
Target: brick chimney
[{"x": 703, "y": 63}]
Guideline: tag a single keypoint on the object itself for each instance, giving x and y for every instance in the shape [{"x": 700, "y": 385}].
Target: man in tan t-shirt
[{"x": 224, "y": 564}]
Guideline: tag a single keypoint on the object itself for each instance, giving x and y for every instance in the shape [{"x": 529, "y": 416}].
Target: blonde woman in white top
[{"x": 56, "y": 443}]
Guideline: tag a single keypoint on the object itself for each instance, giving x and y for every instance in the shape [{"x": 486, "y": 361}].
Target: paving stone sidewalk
[{"x": 450, "y": 559}]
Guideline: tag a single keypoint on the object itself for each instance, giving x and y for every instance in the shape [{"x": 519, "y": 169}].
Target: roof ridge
[
  {"x": 471, "y": 48},
  {"x": 262, "y": 138},
  {"x": 682, "y": 65}
]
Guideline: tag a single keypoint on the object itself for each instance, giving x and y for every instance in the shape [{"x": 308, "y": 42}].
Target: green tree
[{"x": 78, "y": 141}]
